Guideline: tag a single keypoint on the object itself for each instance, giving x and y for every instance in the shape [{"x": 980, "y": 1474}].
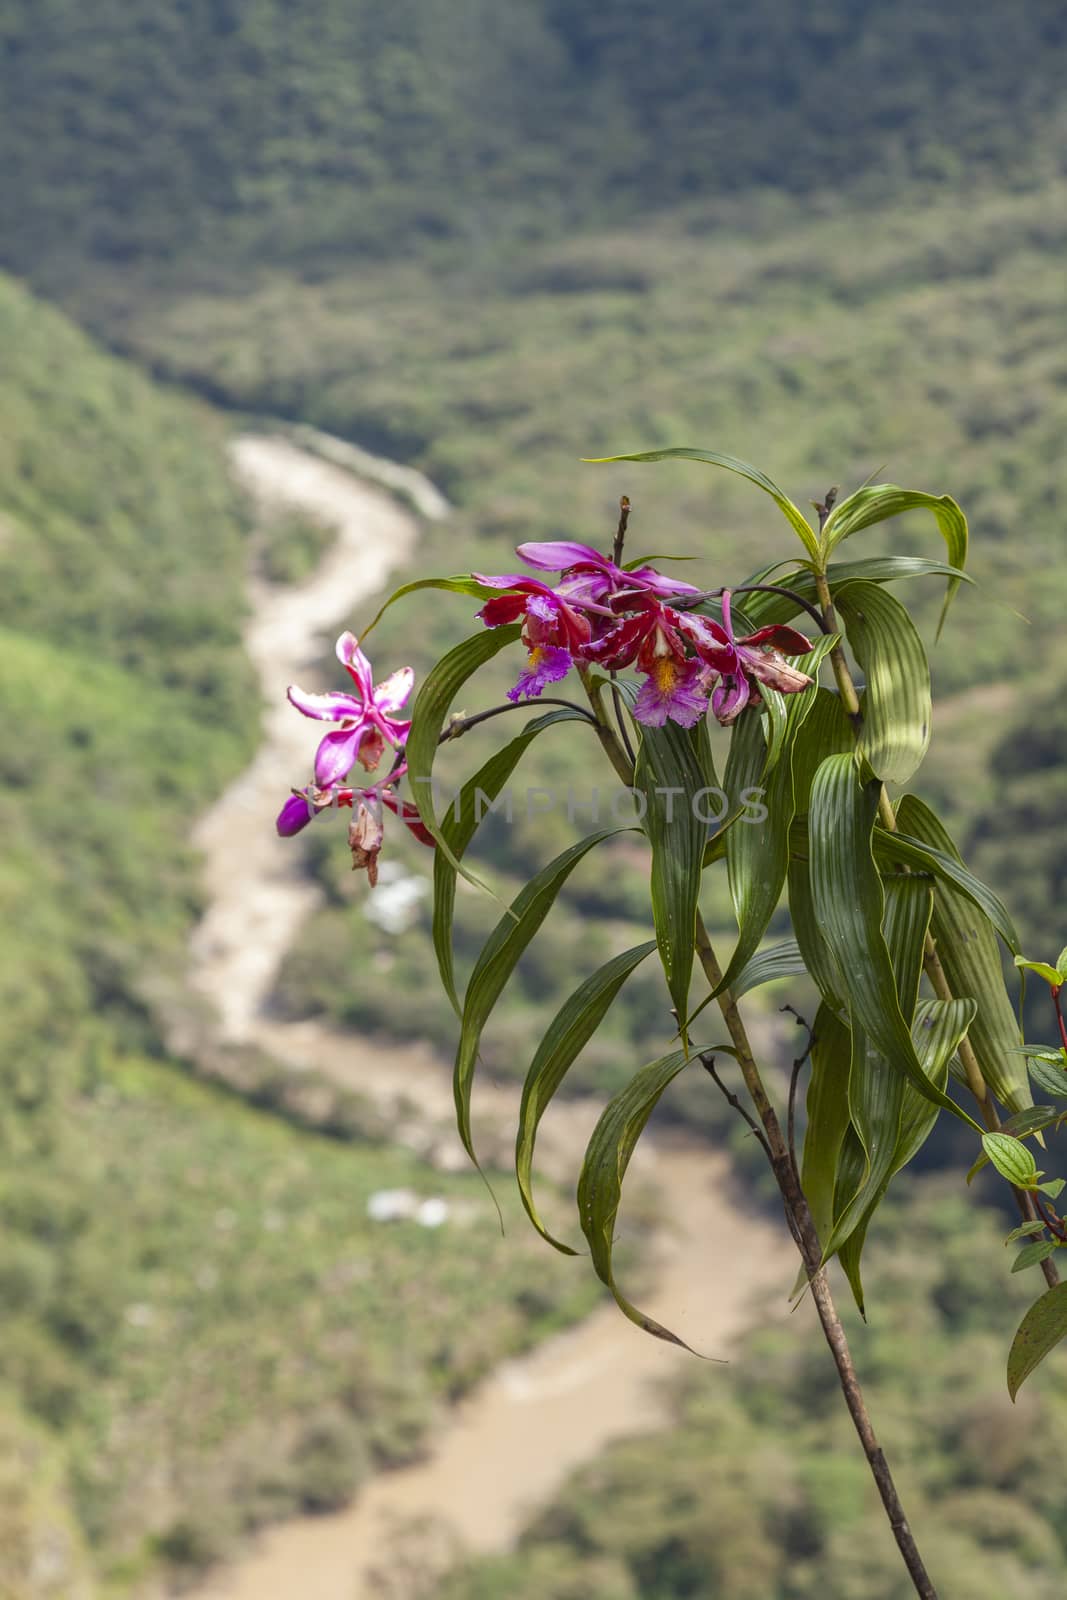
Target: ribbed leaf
[
  {"x": 1011, "y": 1158},
  {"x": 1042, "y": 1328},
  {"x": 937, "y": 1029},
  {"x": 897, "y": 704},
  {"x": 904, "y": 849},
  {"x": 439, "y": 689},
  {"x": 768, "y": 966},
  {"x": 497, "y": 962},
  {"x": 566, "y": 1035},
  {"x": 967, "y": 947},
  {"x": 458, "y": 828},
  {"x": 604, "y": 1168},
  {"x": 712, "y": 458},
  {"x": 767, "y": 608},
  {"x": 464, "y": 584},
  {"x": 757, "y": 853},
  {"x": 849, "y": 905},
  {"x": 672, "y": 767},
  {"x": 880, "y": 501},
  {"x": 875, "y": 1090},
  {"x": 828, "y": 1116},
  {"x": 826, "y": 732}
]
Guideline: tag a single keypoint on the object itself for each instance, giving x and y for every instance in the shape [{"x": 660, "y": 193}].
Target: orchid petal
[
  {"x": 502, "y": 609},
  {"x": 547, "y": 664},
  {"x": 391, "y": 694},
  {"x": 336, "y": 755},
  {"x": 656, "y": 583},
  {"x": 558, "y": 555},
  {"x": 409, "y": 816},
  {"x": 334, "y": 707},
  {"x": 673, "y": 691},
  {"x": 619, "y": 646},
  {"x": 769, "y": 667},
  {"x": 351, "y": 656},
  {"x": 789, "y": 640},
  {"x": 295, "y": 814},
  {"x": 730, "y": 698}
]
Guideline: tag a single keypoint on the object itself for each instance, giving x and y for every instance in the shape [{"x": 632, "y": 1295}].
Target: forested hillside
[
  {"x": 221, "y": 130},
  {"x": 143, "y": 1215}
]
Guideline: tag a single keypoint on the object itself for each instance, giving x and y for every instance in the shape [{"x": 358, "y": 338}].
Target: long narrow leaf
[
  {"x": 967, "y": 947},
  {"x": 672, "y": 768},
  {"x": 849, "y": 905},
  {"x": 458, "y": 827},
  {"x": 769, "y": 966},
  {"x": 604, "y": 1168},
  {"x": 793, "y": 515},
  {"x": 1042, "y": 1328},
  {"x": 566, "y": 1035},
  {"x": 828, "y": 1116},
  {"x": 497, "y": 962},
  {"x": 439, "y": 689},
  {"x": 897, "y": 706},
  {"x": 904, "y": 849},
  {"x": 880, "y": 501},
  {"x": 464, "y": 584},
  {"x": 762, "y": 609}
]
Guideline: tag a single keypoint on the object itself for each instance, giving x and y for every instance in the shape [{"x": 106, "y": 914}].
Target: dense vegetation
[
  {"x": 233, "y": 129},
  {"x": 759, "y": 1492},
  {"x": 143, "y": 1215}
]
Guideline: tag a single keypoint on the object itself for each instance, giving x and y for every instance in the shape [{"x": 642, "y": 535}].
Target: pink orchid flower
[
  {"x": 747, "y": 662},
  {"x": 366, "y": 720}
]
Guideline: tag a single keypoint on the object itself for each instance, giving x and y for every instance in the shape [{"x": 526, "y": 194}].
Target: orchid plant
[{"x": 901, "y": 941}]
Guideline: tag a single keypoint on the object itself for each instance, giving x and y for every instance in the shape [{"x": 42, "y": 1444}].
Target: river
[{"x": 508, "y": 1446}]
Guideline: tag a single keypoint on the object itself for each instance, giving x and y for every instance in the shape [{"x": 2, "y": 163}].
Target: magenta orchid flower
[
  {"x": 553, "y": 631},
  {"x": 744, "y": 664},
  {"x": 366, "y": 720},
  {"x": 589, "y": 573},
  {"x": 676, "y": 686}
]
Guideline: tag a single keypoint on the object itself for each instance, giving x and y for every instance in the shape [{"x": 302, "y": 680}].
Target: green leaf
[
  {"x": 1051, "y": 975},
  {"x": 768, "y": 966},
  {"x": 767, "y": 608},
  {"x": 879, "y": 501},
  {"x": 828, "y": 1116},
  {"x": 896, "y": 706},
  {"x": 1031, "y": 1255},
  {"x": 901, "y": 849},
  {"x": 1027, "y": 1231},
  {"x": 463, "y": 584},
  {"x": 875, "y": 1090},
  {"x": 793, "y": 515},
  {"x": 849, "y": 905},
  {"x": 826, "y": 731},
  {"x": 458, "y": 828},
  {"x": 1042, "y": 1328},
  {"x": 566, "y": 1035},
  {"x": 967, "y": 947},
  {"x": 1011, "y": 1158},
  {"x": 757, "y": 852},
  {"x": 1054, "y": 1188},
  {"x": 672, "y": 768},
  {"x": 1061, "y": 962},
  {"x": 604, "y": 1168},
  {"x": 497, "y": 962},
  {"x": 439, "y": 689},
  {"x": 1051, "y": 1079},
  {"x": 937, "y": 1028}
]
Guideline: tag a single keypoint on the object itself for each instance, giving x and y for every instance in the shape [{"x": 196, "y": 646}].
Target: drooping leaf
[
  {"x": 937, "y": 1029},
  {"x": 875, "y": 1089},
  {"x": 462, "y": 584},
  {"x": 903, "y": 849},
  {"x": 826, "y": 731},
  {"x": 1049, "y": 1075},
  {"x": 439, "y": 689},
  {"x": 458, "y": 827},
  {"x": 672, "y": 769},
  {"x": 1051, "y": 975},
  {"x": 877, "y": 502},
  {"x": 897, "y": 703},
  {"x": 566, "y": 1035},
  {"x": 497, "y": 962},
  {"x": 1042, "y": 1328},
  {"x": 1033, "y": 1120},
  {"x": 849, "y": 904},
  {"x": 793, "y": 515},
  {"x": 767, "y": 608},
  {"x": 828, "y": 1116},
  {"x": 604, "y": 1168},
  {"x": 757, "y": 852},
  {"x": 967, "y": 947},
  {"x": 778, "y": 961}
]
